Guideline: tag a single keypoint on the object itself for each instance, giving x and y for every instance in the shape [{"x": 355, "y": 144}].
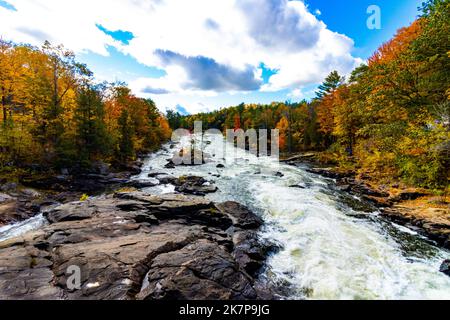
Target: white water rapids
[{"x": 329, "y": 250}]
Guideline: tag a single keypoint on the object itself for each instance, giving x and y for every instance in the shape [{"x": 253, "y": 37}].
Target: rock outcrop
[
  {"x": 194, "y": 185},
  {"x": 19, "y": 205},
  {"x": 186, "y": 157},
  {"x": 137, "y": 246}
]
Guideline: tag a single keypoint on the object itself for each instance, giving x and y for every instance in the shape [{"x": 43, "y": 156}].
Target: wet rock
[
  {"x": 298, "y": 186},
  {"x": 325, "y": 172},
  {"x": 368, "y": 191},
  {"x": 427, "y": 220},
  {"x": 136, "y": 246},
  {"x": 220, "y": 166},
  {"x": 140, "y": 184},
  {"x": 344, "y": 187},
  {"x": 164, "y": 178},
  {"x": 156, "y": 174},
  {"x": 181, "y": 158},
  {"x": 133, "y": 168},
  {"x": 199, "y": 271},
  {"x": 194, "y": 185},
  {"x": 445, "y": 267},
  {"x": 279, "y": 174},
  {"x": 241, "y": 216},
  {"x": 250, "y": 251}
]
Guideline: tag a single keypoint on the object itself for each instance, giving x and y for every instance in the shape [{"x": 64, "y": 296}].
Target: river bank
[
  {"x": 26, "y": 195},
  {"x": 415, "y": 207}
]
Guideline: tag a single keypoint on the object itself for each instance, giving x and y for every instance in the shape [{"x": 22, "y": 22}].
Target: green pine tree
[{"x": 331, "y": 83}]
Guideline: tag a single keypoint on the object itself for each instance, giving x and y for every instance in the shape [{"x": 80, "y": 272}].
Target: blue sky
[
  {"x": 203, "y": 55},
  {"x": 348, "y": 17}
]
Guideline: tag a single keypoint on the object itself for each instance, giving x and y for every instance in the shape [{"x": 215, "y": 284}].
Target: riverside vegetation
[{"x": 54, "y": 115}]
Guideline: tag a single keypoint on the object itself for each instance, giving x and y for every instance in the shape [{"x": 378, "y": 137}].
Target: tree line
[
  {"x": 54, "y": 115},
  {"x": 390, "y": 120}
]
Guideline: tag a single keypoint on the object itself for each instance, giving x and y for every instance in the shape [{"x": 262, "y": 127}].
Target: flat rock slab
[{"x": 137, "y": 246}]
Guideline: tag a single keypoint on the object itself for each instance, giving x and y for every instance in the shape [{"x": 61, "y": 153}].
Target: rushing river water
[
  {"x": 333, "y": 245},
  {"x": 331, "y": 249}
]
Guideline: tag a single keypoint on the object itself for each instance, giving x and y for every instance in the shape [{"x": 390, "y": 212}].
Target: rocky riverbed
[{"x": 133, "y": 245}]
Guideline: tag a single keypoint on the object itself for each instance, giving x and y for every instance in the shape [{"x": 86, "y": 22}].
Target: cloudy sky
[{"x": 202, "y": 55}]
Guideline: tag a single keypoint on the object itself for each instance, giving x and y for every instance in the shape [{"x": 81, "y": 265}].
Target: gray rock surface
[{"x": 137, "y": 246}]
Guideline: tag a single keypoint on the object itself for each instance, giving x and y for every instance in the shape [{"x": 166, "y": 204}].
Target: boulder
[
  {"x": 241, "y": 216},
  {"x": 445, "y": 267},
  {"x": 194, "y": 185},
  {"x": 163, "y": 178},
  {"x": 197, "y": 157}
]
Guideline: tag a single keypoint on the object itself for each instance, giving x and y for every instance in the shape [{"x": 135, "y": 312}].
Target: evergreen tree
[{"x": 331, "y": 83}]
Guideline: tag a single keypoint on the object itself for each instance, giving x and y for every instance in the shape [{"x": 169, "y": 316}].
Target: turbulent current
[
  {"x": 330, "y": 248},
  {"x": 333, "y": 246}
]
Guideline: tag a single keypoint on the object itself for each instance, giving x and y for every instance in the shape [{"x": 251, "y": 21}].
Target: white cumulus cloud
[{"x": 205, "y": 47}]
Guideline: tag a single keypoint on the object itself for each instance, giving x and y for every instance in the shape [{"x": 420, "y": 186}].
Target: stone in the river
[
  {"x": 241, "y": 216},
  {"x": 298, "y": 186},
  {"x": 163, "y": 178},
  {"x": 140, "y": 184},
  {"x": 197, "y": 157},
  {"x": 250, "y": 251},
  {"x": 136, "y": 246},
  {"x": 344, "y": 188},
  {"x": 155, "y": 174},
  {"x": 220, "y": 166},
  {"x": 194, "y": 185},
  {"x": 445, "y": 267},
  {"x": 279, "y": 174}
]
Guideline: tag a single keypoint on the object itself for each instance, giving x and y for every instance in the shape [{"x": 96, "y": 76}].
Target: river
[{"x": 333, "y": 245}]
